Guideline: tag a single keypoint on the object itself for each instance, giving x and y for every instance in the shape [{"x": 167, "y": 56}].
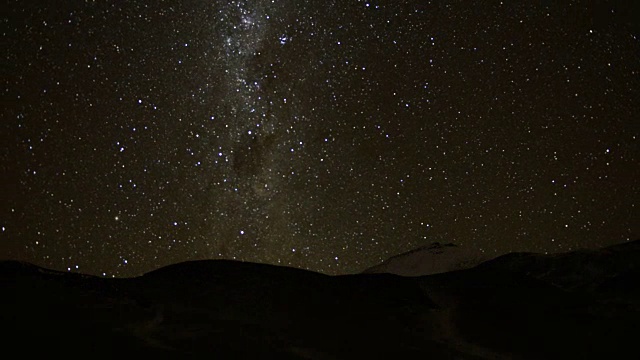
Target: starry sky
[{"x": 326, "y": 135}]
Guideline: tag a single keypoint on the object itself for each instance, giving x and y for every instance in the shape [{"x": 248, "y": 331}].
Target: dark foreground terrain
[{"x": 575, "y": 305}]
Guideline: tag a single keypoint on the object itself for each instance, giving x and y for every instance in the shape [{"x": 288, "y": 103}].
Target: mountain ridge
[
  {"x": 538, "y": 306},
  {"x": 430, "y": 259}
]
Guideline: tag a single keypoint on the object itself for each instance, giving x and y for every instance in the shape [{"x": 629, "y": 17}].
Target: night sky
[{"x": 326, "y": 135}]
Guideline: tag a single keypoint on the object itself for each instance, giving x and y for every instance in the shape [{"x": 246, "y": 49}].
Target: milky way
[{"x": 326, "y": 135}]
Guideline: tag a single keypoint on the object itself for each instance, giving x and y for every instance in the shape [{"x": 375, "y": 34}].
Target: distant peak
[{"x": 433, "y": 247}]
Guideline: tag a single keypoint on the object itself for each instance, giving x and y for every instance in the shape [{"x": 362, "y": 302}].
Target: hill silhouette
[{"x": 583, "y": 304}]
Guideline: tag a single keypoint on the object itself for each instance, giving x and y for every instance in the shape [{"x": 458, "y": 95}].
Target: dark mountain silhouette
[{"x": 584, "y": 304}]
